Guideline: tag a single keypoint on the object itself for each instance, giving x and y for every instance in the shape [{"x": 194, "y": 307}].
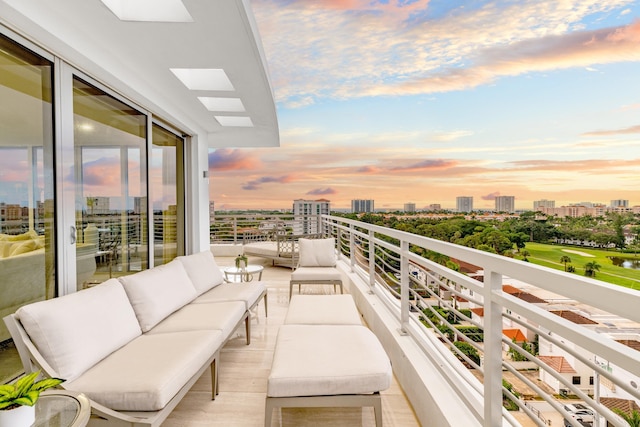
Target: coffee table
[
  {"x": 243, "y": 274},
  {"x": 62, "y": 408}
]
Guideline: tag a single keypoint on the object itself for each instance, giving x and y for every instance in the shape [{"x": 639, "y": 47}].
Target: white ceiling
[{"x": 135, "y": 59}]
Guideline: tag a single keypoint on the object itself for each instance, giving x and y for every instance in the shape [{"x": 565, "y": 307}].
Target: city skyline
[{"x": 426, "y": 100}]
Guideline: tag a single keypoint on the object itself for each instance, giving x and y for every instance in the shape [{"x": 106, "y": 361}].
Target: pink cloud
[
  {"x": 255, "y": 184},
  {"x": 225, "y": 159},
  {"x": 428, "y": 164},
  {"x": 624, "y": 131},
  {"x": 490, "y": 196},
  {"x": 321, "y": 191}
]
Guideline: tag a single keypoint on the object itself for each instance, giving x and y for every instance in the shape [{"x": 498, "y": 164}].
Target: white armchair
[{"x": 316, "y": 264}]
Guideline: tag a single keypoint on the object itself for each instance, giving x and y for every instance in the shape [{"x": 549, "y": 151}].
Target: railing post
[
  {"x": 235, "y": 230},
  {"x": 352, "y": 248},
  {"x": 404, "y": 287},
  {"x": 492, "y": 350},
  {"x": 372, "y": 261}
]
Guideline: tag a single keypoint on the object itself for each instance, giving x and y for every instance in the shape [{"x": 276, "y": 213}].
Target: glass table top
[{"x": 61, "y": 408}]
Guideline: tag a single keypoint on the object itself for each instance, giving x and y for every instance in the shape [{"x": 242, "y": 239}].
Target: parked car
[{"x": 579, "y": 412}]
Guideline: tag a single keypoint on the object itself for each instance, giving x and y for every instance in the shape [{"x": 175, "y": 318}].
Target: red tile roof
[
  {"x": 574, "y": 317},
  {"x": 626, "y": 406},
  {"x": 634, "y": 344},
  {"x": 558, "y": 364},
  {"x": 514, "y": 335},
  {"x": 479, "y": 311}
]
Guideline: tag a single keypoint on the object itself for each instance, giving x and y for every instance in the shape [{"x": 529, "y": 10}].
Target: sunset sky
[{"x": 422, "y": 101}]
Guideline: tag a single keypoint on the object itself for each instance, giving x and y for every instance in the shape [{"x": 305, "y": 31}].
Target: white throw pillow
[
  {"x": 317, "y": 252},
  {"x": 76, "y": 331},
  {"x": 158, "y": 292},
  {"x": 202, "y": 270}
]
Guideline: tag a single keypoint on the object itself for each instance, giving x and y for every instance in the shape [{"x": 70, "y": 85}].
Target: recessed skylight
[
  {"x": 232, "y": 105},
  {"x": 149, "y": 10},
  {"x": 237, "y": 121},
  {"x": 203, "y": 78}
]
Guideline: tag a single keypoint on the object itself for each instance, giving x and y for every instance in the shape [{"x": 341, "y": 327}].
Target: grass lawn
[{"x": 549, "y": 256}]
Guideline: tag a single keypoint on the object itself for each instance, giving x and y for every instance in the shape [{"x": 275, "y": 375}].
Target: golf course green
[{"x": 550, "y": 255}]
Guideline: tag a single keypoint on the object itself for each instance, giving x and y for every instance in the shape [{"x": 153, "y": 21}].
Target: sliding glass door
[{"x": 27, "y": 234}]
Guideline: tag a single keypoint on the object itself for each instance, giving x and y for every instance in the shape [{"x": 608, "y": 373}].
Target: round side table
[
  {"x": 233, "y": 274},
  {"x": 62, "y": 408}
]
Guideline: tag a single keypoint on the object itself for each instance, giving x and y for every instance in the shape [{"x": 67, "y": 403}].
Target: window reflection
[
  {"x": 26, "y": 188},
  {"x": 111, "y": 186}
]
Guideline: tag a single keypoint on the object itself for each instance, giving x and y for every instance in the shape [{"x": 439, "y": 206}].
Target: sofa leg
[
  {"x": 266, "y": 312},
  {"x": 214, "y": 379},
  {"x": 247, "y": 323}
]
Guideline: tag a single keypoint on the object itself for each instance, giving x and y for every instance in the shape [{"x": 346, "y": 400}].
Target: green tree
[
  {"x": 525, "y": 253},
  {"x": 468, "y": 350},
  {"x": 590, "y": 268},
  {"x": 632, "y": 418},
  {"x": 565, "y": 260}
]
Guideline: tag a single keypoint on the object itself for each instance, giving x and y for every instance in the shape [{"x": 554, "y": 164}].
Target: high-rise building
[
  {"x": 362, "y": 205},
  {"x": 435, "y": 207},
  {"x": 543, "y": 204},
  {"x": 619, "y": 203},
  {"x": 464, "y": 204},
  {"x": 212, "y": 211},
  {"x": 505, "y": 204},
  {"x": 409, "y": 207},
  {"x": 307, "y": 213}
]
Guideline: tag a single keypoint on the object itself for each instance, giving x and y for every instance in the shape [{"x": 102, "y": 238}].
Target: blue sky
[{"x": 422, "y": 101}]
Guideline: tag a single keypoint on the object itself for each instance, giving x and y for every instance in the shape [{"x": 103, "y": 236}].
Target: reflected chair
[{"x": 316, "y": 264}]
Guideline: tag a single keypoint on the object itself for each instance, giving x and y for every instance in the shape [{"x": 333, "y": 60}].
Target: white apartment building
[
  {"x": 409, "y": 207},
  {"x": 464, "y": 204},
  {"x": 543, "y": 204},
  {"x": 362, "y": 205},
  {"x": 307, "y": 215},
  {"x": 619, "y": 203},
  {"x": 505, "y": 204}
]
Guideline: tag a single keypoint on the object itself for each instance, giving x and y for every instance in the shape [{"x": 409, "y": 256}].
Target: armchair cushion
[
  {"x": 156, "y": 293},
  {"x": 76, "y": 331},
  {"x": 317, "y": 252},
  {"x": 202, "y": 270}
]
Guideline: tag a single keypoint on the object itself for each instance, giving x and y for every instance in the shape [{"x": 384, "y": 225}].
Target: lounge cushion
[
  {"x": 310, "y": 274},
  {"x": 223, "y": 316},
  {"x": 76, "y": 331},
  {"x": 202, "y": 270},
  {"x": 245, "y": 292},
  {"x": 158, "y": 292},
  {"x": 148, "y": 372},
  {"x": 322, "y": 310},
  {"x": 318, "y": 360},
  {"x": 317, "y": 252}
]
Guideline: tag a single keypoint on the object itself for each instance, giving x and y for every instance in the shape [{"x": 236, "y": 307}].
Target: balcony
[{"x": 415, "y": 306}]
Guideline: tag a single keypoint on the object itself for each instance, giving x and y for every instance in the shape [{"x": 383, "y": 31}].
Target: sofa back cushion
[
  {"x": 202, "y": 270},
  {"x": 317, "y": 252},
  {"x": 76, "y": 331},
  {"x": 158, "y": 292}
]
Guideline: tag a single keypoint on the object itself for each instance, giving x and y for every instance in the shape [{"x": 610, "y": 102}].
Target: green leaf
[
  {"x": 4, "y": 405},
  {"x": 24, "y": 384},
  {"x": 46, "y": 384},
  {"x": 29, "y": 399},
  {"x": 6, "y": 389}
]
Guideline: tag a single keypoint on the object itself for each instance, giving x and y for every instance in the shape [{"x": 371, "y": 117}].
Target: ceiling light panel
[
  {"x": 149, "y": 10},
  {"x": 231, "y": 105},
  {"x": 203, "y": 78},
  {"x": 237, "y": 121}
]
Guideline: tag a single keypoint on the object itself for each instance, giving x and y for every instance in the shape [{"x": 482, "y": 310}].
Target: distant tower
[
  {"x": 540, "y": 205},
  {"x": 409, "y": 207},
  {"x": 505, "y": 204},
  {"x": 307, "y": 213},
  {"x": 362, "y": 205},
  {"x": 464, "y": 204},
  {"x": 619, "y": 203}
]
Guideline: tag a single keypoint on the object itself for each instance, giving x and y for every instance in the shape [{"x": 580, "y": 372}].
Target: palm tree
[
  {"x": 633, "y": 418},
  {"x": 565, "y": 260},
  {"x": 525, "y": 253},
  {"x": 590, "y": 268}
]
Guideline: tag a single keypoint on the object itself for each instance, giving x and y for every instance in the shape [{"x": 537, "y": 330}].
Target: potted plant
[
  {"x": 241, "y": 261},
  {"x": 17, "y": 399}
]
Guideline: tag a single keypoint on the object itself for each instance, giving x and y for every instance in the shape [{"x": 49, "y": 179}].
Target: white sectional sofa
[{"x": 135, "y": 345}]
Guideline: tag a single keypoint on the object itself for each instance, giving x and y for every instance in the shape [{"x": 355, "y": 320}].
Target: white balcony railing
[{"x": 425, "y": 298}]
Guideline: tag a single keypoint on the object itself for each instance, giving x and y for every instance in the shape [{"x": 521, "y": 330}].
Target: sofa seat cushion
[
  {"x": 158, "y": 292},
  {"x": 322, "y": 310},
  {"x": 246, "y": 292},
  {"x": 318, "y": 360},
  {"x": 223, "y": 316},
  {"x": 76, "y": 331},
  {"x": 148, "y": 372},
  {"x": 311, "y": 274},
  {"x": 265, "y": 249},
  {"x": 202, "y": 270}
]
